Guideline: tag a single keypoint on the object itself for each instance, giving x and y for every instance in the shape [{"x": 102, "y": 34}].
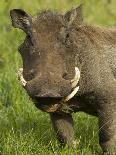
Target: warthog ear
[
  {"x": 20, "y": 19},
  {"x": 74, "y": 16}
]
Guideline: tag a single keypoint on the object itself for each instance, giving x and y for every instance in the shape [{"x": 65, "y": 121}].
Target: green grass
[{"x": 25, "y": 130}]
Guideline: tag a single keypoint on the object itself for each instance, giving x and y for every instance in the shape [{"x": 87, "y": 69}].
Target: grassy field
[{"x": 25, "y": 130}]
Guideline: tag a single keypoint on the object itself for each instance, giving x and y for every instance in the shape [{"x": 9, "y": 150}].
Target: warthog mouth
[
  {"x": 52, "y": 104},
  {"x": 48, "y": 104}
]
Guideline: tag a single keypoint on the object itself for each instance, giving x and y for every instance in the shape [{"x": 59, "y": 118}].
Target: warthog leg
[
  {"x": 63, "y": 125},
  {"x": 107, "y": 122}
]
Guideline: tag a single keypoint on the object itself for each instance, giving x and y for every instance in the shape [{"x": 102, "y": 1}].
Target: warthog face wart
[{"x": 49, "y": 66}]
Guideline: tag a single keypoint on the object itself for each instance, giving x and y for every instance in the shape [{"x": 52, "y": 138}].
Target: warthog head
[{"x": 48, "y": 58}]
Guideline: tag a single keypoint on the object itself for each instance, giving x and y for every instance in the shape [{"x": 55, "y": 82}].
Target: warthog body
[{"x": 55, "y": 44}]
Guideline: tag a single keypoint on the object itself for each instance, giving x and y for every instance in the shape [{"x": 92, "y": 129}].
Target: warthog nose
[{"x": 48, "y": 94}]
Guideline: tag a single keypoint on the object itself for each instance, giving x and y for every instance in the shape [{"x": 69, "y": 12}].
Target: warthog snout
[
  {"x": 41, "y": 88},
  {"x": 44, "y": 88}
]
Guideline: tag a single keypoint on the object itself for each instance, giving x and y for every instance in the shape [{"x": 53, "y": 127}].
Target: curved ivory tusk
[
  {"x": 20, "y": 77},
  {"x": 76, "y": 78},
  {"x": 72, "y": 94}
]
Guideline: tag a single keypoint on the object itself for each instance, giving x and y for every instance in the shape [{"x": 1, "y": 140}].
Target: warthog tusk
[
  {"x": 74, "y": 83},
  {"x": 76, "y": 77},
  {"x": 21, "y": 78},
  {"x": 71, "y": 95}
]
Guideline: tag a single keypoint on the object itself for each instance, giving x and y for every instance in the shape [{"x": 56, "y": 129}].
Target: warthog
[{"x": 69, "y": 66}]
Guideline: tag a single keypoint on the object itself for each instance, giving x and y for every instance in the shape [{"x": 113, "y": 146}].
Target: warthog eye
[
  {"x": 67, "y": 40},
  {"x": 67, "y": 36}
]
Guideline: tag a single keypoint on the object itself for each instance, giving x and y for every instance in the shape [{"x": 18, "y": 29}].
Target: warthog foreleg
[
  {"x": 107, "y": 129},
  {"x": 63, "y": 125}
]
